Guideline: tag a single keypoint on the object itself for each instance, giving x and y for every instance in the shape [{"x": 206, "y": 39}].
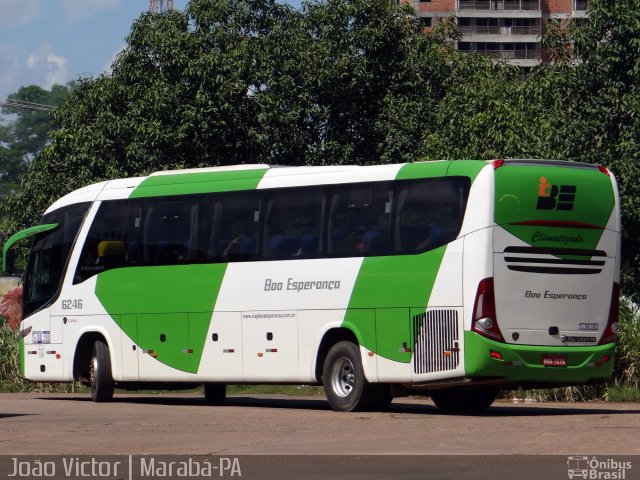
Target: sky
[{"x": 44, "y": 42}]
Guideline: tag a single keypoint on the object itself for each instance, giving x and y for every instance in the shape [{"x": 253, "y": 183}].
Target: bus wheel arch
[{"x": 330, "y": 338}]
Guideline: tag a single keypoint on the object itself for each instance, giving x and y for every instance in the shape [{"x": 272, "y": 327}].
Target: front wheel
[
  {"x": 344, "y": 382},
  {"x": 464, "y": 401},
  {"x": 100, "y": 378}
]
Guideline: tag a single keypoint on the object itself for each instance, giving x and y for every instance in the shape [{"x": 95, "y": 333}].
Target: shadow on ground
[{"x": 499, "y": 409}]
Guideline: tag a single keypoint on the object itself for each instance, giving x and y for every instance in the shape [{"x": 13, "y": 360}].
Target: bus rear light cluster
[
  {"x": 610, "y": 334},
  {"x": 484, "y": 312}
]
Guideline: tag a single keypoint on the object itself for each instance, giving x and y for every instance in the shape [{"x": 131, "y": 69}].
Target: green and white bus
[{"x": 453, "y": 279}]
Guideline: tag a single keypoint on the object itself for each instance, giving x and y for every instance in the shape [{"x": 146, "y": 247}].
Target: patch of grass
[
  {"x": 623, "y": 393},
  {"x": 293, "y": 390},
  {"x": 627, "y": 370},
  {"x": 582, "y": 393},
  {"x": 9, "y": 362}
]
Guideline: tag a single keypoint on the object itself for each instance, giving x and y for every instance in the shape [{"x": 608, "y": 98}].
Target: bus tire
[
  {"x": 100, "y": 378},
  {"x": 345, "y": 385},
  {"x": 215, "y": 393},
  {"x": 464, "y": 401}
]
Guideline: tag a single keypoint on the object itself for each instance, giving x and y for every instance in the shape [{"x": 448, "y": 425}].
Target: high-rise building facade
[{"x": 501, "y": 29}]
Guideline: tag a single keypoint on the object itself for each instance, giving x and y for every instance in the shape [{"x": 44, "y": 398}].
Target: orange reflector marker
[
  {"x": 371, "y": 354},
  {"x": 58, "y": 356},
  {"x": 260, "y": 354},
  {"x": 447, "y": 354},
  {"x": 154, "y": 355},
  {"x": 496, "y": 355}
]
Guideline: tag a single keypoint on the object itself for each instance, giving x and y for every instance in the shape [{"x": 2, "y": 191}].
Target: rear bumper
[{"x": 523, "y": 363}]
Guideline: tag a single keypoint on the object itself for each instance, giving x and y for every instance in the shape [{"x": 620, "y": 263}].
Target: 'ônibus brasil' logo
[{"x": 555, "y": 197}]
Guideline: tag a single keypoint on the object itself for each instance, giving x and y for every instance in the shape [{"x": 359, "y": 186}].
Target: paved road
[{"x": 271, "y": 424}]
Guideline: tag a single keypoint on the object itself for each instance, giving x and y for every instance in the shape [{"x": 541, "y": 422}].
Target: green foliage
[
  {"x": 622, "y": 393},
  {"x": 628, "y": 351},
  {"x": 602, "y": 107},
  {"x": 22, "y": 137},
  {"x": 9, "y": 363},
  {"x": 239, "y": 81}
]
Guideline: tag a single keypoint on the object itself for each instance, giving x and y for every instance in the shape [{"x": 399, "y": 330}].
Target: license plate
[
  {"x": 41, "y": 337},
  {"x": 554, "y": 360}
]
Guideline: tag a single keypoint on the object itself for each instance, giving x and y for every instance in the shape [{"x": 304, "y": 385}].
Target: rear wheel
[
  {"x": 215, "y": 393},
  {"x": 464, "y": 401},
  {"x": 344, "y": 382},
  {"x": 100, "y": 378}
]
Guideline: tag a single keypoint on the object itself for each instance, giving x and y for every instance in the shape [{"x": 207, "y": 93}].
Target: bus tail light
[
  {"x": 484, "y": 312},
  {"x": 610, "y": 334}
]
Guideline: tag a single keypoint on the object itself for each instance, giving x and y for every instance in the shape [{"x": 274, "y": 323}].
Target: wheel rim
[{"x": 343, "y": 377}]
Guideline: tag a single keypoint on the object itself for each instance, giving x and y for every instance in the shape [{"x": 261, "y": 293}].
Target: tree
[
  {"x": 23, "y": 136},
  {"x": 240, "y": 81},
  {"x": 602, "y": 106}
]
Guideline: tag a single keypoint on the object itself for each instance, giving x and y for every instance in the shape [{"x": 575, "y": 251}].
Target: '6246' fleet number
[{"x": 75, "y": 304}]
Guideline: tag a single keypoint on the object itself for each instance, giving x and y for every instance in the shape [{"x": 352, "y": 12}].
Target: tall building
[{"x": 501, "y": 29}]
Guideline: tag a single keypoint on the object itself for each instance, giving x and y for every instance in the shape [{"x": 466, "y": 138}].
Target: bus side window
[
  {"x": 293, "y": 226},
  {"x": 108, "y": 241},
  {"x": 429, "y": 213},
  {"x": 167, "y": 234},
  {"x": 359, "y": 220},
  {"x": 234, "y": 236}
]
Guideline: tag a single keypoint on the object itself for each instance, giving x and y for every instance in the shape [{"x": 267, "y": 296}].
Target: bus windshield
[{"x": 49, "y": 256}]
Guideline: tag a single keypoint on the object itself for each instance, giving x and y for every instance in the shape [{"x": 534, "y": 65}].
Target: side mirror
[{"x": 22, "y": 234}]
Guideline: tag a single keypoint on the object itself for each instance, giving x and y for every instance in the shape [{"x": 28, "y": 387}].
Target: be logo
[{"x": 555, "y": 197}]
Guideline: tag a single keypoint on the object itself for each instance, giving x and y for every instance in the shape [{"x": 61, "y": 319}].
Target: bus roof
[{"x": 262, "y": 176}]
